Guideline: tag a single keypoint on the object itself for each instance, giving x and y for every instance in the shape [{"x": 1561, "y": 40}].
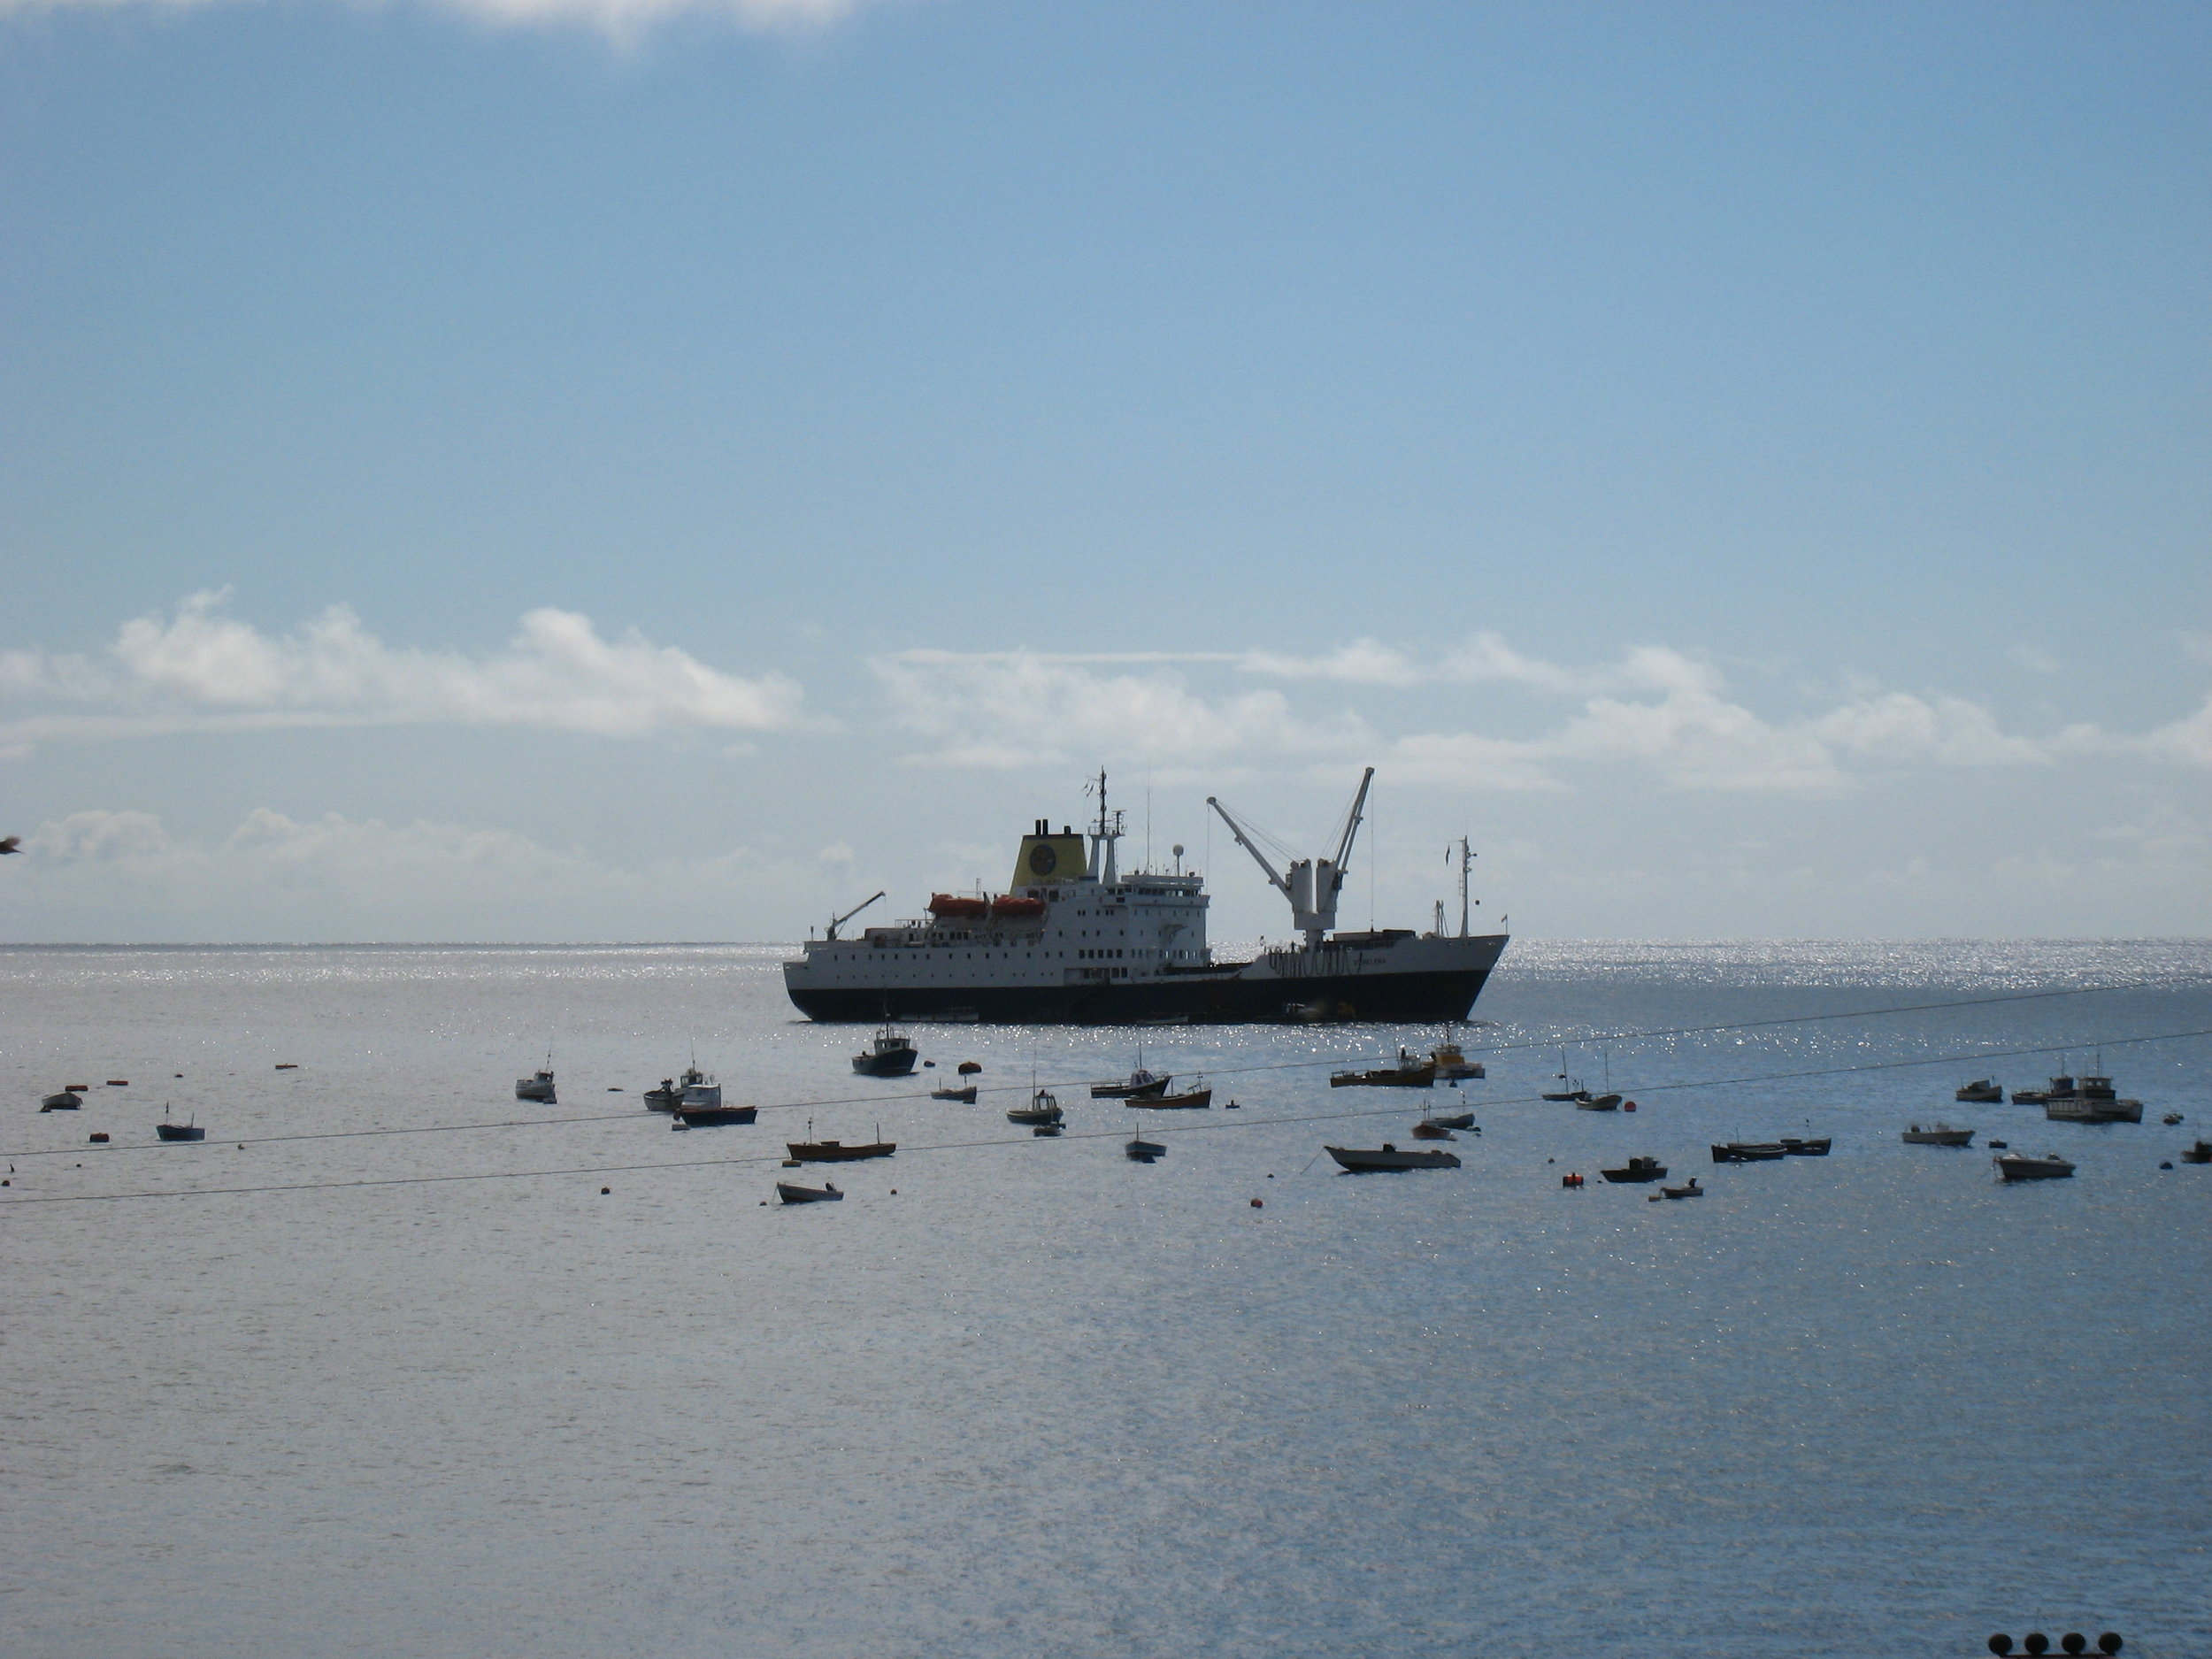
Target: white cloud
[
  {"x": 201, "y": 670},
  {"x": 1004, "y": 710},
  {"x": 619, "y": 18}
]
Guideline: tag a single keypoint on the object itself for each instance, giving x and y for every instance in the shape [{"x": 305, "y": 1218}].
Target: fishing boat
[
  {"x": 1599, "y": 1103},
  {"x": 826, "y": 1193},
  {"x": 1362, "y": 1161},
  {"x": 64, "y": 1101},
  {"x": 1138, "y": 1150},
  {"x": 1635, "y": 1172},
  {"x": 1457, "y": 1120},
  {"x": 1692, "y": 1191},
  {"x": 1138, "y": 1084},
  {"x": 2092, "y": 1101},
  {"x": 1043, "y": 1107},
  {"x": 1407, "y": 1074},
  {"x": 890, "y": 1054},
  {"x": 666, "y": 1098},
  {"x": 1427, "y": 1131},
  {"x": 538, "y": 1088},
  {"x": 166, "y": 1131},
  {"x": 837, "y": 1152},
  {"x": 700, "y": 1093},
  {"x": 1749, "y": 1152},
  {"x": 1938, "y": 1135},
  {"x": 1452, "y": 1063},
  {"x": 1980, "y": 1092},
  {"x": 1574, "y": 1091},
  {"x": 1189, "y": 1100},
  {"x": 713, "y": 1116},
  {"x": 2200, "y": 1153},
  {"x": 2018, "y": 1166},
  {"x": 965, "y": 1097}
]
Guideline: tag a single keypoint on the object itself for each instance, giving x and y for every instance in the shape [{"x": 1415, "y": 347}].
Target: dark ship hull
[{"x": 1420, "y": 997}]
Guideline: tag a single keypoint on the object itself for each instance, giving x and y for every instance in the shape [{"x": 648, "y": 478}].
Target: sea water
[{"x": 1019, "y": 1396}]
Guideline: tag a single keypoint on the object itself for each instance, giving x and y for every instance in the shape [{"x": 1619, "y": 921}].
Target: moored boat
[
  {"x": 1938, "y": 1135},
  {"x": 2018, "y": 1166},
  {"x": 1453, "y": 1065},
  {"x": 1138, "y": 1150},
  {"x": 826, "y": 1193},
  {"x": 1363, "y": 1160},
  {"x": 1749, "y": 1152},
  {"x": 1599, "y": 1103},
  {"x": 1427, "y": 1131},
  {"x": 714, "y": 1117},
  {"x": 2200, "y": 1153},
  {"x": 838, "y": 1152},
  {"x": 1138, "y": 1084},
  {"x": 890, "y": 1054},
  {"x": 538, "y": 1088},
  {"x": 2093, "y": 1101},
  {"x": 965, "y": 1097},
  {"x": 1796, "y": 1148},
  {"x": 180, "y": 1132},
  {"x": 1635, "y": 1172},
  {"x": 1690, "y": 1190},
  {"x": 1189, "y": 1100},
  {"x": 64, "y": 1102},
  {"x": 1415, "y": 1074},
  {"x": 1043, "y": 1107},
  {"x": 1980, "y": 1092},
  {"x": 700, "y": 1093},
  {"x": 666, "y": 1098},
  {"x": 1457, "y": 1120}
]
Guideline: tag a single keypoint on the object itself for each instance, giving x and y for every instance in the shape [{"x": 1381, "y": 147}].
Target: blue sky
[{"x": 638, "y": 469}]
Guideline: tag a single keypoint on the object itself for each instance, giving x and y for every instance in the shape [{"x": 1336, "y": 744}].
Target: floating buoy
[
  {"x": 895, "y": 1192},
  {"x": 1256, "y": 1205},
  {"x": 604, "y": 1191},
  {"x": 1270, "y": 1177},
  {"x": 180, "y": 1076},
  {"x": 100, "y": 1136},
  {"x": 2167, "y": 1166},
  {"x": 1628, "y": 1106}
]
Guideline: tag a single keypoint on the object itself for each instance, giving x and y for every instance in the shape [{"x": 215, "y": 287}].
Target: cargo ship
[{"x": 1074, "y": 940}]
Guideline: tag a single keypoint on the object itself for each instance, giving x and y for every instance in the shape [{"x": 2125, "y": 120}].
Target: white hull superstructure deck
[{"x": 1073, "y": 941}]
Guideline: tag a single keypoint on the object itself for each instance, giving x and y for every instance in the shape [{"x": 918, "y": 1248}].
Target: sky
[{"x": 548, "y": 470}]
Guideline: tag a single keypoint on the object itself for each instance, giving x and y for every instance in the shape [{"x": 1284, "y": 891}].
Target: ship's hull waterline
[{"x": 1425, "y": 997}]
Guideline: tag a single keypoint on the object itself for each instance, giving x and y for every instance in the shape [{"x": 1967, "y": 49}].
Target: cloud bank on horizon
[{"x": 201, "y": 670}]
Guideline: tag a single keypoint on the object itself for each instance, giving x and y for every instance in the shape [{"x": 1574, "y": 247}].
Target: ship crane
[
  {"x": 838, "y": 922},
  {"x": 1310, "y": 884}
]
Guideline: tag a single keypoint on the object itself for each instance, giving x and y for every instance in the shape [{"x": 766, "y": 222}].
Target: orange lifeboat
[
  {"x": 949, "y": 906},
  {"x": 1012, "y": 909}
]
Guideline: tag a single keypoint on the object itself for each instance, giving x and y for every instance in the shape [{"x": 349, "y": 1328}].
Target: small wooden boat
[
  {"x": 1457, "y": 1120},
  {"x": 2018, "y": 1166},
  {"x": 64, "y": 1101},
  {"x": 965, "y": 1097},
  {"x": 1140, "y": 1084},
  {"x": 1749, "y": 1152},
  {"x": 838, "y": 1152},
  {"x": 180, "y": 1132},
  {"x": 538, "y": 1088},
  {"x": 1795, "y": 1149},
  {"x": 1190, "y": 1100},
  {"x": 2171, "y": 1119},
  {"x": 1980, "y": 1092},
  {"x": 1043, "y": 1107},
  {"x": 1938, "y": 1135},
  {"x": 1362, "y": 1161},
  {"x": 1692, "y": 1191},
  {"x": 1420, "y": 1074},
  {"x": 826, "y": 1193},
  {"x": 1139, "y": 1150},
  {"x": 1635, "y": 1172},
  {"x": 890, "y": 1054},
  {"x": 98, "y": 1137},
  {"x": 1426, "y": 1131},
  {"x": 666, "y": 1098},
  {"x": 713, "y": 1116},
  {"x": 2200, "y": 1153},
  {"x": 1047, "y": 1131},
  {"x": 1599, "y": 1103}
]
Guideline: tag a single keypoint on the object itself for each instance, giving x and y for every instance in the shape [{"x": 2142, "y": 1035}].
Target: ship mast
[
  {"x": 1105, "y": 834},
  {"x": 1465, "y": 854}
]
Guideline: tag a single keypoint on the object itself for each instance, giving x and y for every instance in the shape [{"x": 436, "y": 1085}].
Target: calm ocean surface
[{"x": 1044, "y": 1400}]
